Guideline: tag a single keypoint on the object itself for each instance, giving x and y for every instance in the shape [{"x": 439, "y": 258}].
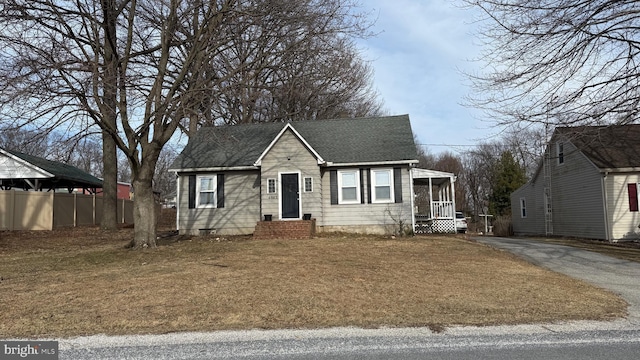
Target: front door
[{"x": 290, "y": 196}]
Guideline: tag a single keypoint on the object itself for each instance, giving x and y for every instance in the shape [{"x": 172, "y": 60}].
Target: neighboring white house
[
  {"x": 586, "y": 186},
  {"x": 350, "y": 175}
]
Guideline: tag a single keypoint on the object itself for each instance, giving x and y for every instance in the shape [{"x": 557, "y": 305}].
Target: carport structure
[
  {"x": 28, "y": 172},
  {"x": 437, "y": 190}
]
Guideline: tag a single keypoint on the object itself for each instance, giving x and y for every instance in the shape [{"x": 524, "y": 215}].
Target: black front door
[{"x": 290, "y": 196}]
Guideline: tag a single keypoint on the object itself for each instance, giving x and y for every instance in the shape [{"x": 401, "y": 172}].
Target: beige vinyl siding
[
  {"x": 241, "y": 209},
  {"x": 289, "y": 155},
  {"x": 623, "y": 222},
  {"x": 365, "y": 218},
  {"x": 577, "y": 199}
]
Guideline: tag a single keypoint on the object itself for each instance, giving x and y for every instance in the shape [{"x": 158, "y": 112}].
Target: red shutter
[{"x": 633, "y": 196}]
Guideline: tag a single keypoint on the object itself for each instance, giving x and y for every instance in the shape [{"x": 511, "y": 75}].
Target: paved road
[
  {"x": 620, "y": 276},
  {"x": 505, "y": 343}
]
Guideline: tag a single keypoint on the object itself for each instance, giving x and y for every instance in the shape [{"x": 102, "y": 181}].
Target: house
[
  {"x": 352, "y": 175},
  {"x": 587, "y": 186}
]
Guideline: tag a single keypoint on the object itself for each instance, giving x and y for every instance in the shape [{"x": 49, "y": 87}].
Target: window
[
  {"x": 560, "y": 153},
  {"x": 271, "y": 186},
  {"x": 633, "y": 196},
  {"x": 206, "y": 190},
  {"x": 308, "y": 184},
  {"x": 523, "y": 208},
  {"x": 348, "y": 187},
  {"x": 382, "y": 185}
]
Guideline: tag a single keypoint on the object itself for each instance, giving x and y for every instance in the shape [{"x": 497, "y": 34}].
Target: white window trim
[
  {"x": 523, "y": 206},
  {"x": 391, "y": 199},
  {"x": 214, "y": 179},
  {"x": 357, "y": 176},
  {"x": 275, "y": 186},
  {"x": 304, "y": 184}
]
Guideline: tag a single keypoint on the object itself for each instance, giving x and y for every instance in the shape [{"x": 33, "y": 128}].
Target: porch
[{"x": 434, "y": 195}]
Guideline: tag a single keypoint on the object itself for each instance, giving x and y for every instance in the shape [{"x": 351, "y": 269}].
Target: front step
[{"x": 294, "y": 229}]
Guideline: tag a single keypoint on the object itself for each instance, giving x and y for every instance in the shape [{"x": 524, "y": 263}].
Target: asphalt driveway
[{"x": 619, "y": 276}]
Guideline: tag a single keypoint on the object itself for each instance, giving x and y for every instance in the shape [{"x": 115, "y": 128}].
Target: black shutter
[
  {"x": 362, "y": 198},
  {"x": 368, "y": 170},
  {"x": 333, "y": 184},
  {"x": 397, "y": 184},
  {"x": 220, "y": 199},
  {"x": 192, "y": 191}
]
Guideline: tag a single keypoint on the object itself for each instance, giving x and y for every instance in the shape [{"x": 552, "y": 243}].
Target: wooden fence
[{"x": 34, "y": 210}]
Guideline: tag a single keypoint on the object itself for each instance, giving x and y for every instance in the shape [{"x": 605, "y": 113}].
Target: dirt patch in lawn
[{"x": 84, "y": 281}]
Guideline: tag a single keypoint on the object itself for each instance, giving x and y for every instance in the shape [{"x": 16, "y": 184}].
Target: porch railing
[{"x": 442, "y": 210}]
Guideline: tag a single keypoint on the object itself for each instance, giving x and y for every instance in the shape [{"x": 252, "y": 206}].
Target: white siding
[
  {"x": 365, "y": 218},
  {"x": 289, "y": 155},
  {"x": 241, "y": 209},
  {"x": 623, "y": 222},
  {"x": 12, "y": 169}
]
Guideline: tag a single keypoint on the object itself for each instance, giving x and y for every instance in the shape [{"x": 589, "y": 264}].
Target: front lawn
[{"x": 84, "y": 281}]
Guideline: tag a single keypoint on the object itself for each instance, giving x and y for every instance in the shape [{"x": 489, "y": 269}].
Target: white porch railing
[{"x": 442, "y": 210}]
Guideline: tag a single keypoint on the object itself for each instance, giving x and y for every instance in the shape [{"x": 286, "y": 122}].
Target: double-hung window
[
  {"x": 560, "y": 153},
  {"x": 206, "y": 191},
  {"x": 523, "y": 208},
  {"x": 348, "y": 187},
  {"x": 382, "y": 185}
]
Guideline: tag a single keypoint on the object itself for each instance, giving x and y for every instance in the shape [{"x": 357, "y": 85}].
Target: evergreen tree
[{"x": 509, "y": 176}]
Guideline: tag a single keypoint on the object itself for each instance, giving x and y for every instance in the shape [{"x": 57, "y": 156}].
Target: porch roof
[{"x": 422, "y": 176}]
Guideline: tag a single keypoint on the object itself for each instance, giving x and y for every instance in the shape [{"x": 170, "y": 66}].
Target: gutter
[
  {"x": 216, "y": 168},
  {"x": 396, "y": 162}
]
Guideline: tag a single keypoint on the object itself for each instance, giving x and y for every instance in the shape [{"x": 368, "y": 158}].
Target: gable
[{"x": 12, "y": 167}]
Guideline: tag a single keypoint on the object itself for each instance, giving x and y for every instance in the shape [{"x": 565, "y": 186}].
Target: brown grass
[{"x": 84, "y": 281}]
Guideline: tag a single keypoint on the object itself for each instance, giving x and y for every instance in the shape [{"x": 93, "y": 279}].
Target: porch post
[
  {"x": 452, "y": 182},
  {"x": 412, "y": 194},
  {"x": 430, "y": 199}
]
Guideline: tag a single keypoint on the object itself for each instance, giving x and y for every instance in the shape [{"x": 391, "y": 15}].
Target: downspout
[
  {"x": 605, "y": 207},
  {"x": 412, "y": 195}
]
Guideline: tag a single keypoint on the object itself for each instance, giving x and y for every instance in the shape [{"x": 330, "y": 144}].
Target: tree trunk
[
  {"x": 109, "y": 184},
  {"x": 144, "y": 208},
  {"x": 109, "y": 154}
]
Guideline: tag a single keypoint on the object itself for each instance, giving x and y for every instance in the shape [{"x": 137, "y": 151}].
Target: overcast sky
[{"x": 418, "y": 55}]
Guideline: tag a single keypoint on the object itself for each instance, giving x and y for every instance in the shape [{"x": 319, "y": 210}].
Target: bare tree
[
  {"x": 136, "y": 69},
  {"x": 120, "y": 65},
  {"x": 291, "y": 60},
  {"x": 559, "y": 62},
  {"x": 31, "y": 142},
  {"x": 479, "y": 176}
]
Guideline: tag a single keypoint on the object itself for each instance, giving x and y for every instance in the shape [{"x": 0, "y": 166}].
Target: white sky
[{"x": 418, "y": 55}]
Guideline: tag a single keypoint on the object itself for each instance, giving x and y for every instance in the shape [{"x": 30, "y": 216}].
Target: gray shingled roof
[
  {"x": 608, "y": 147},
  {"x": 359, "y": 140},
  {"x": 64, "y": 175}
]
